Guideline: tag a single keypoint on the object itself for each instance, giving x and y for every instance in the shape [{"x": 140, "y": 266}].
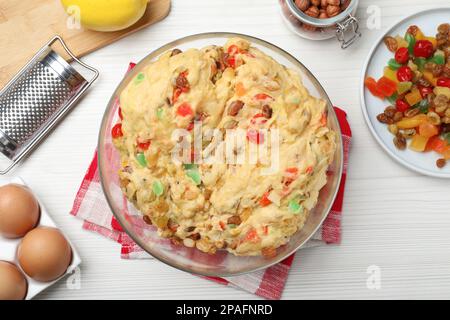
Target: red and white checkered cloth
[{"x": 91, "y": 206}]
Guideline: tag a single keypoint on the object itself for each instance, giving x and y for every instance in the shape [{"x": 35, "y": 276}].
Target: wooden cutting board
[{"x": 26, "y": 25}]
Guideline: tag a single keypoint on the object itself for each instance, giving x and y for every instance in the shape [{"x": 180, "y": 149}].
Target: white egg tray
[{"x": 8, "y": 247}]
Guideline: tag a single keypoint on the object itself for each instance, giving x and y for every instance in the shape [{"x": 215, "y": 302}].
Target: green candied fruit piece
[
  {"x": 446, "y": 137},
  {"x": 438, "y": 59},
  {"x": 139, "y": 78},
  {"x": 295, "y": 207},
  {"x": 294, "y": 100},
  {"x": 403, "y": 87},
  {"x": 194, "y": 175},
  {"x": 140, "y": 157},
  {"x": 160, "y": 113},
  {"x": 420, "y": 63},
  {"x": 189, "y": 166},
  {"x": 411, "y": 42},
  {"x": 394, "y": 65},
  {"x": 393, "y": 98},
  {"x": 157, "y": 188},
  {"x": 424, "y": 106}
]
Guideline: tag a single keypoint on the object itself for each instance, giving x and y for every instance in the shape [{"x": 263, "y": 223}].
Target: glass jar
[{"x": 343, "y": 26}]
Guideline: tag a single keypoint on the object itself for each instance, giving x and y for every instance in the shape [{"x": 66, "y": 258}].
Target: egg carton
[{"x": 8, "y": 247}]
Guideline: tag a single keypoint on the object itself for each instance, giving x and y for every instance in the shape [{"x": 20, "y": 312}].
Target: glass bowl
[{"x": 191, "y": 260}]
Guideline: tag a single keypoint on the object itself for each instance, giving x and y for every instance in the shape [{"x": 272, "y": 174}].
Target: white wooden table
[{"x": 394, "y": 219}]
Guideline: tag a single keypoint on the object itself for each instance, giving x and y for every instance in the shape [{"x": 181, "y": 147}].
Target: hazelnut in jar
[{"x": 322, "y": 19}]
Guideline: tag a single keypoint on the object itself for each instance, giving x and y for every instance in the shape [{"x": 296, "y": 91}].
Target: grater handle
[
  {"x": 8, "y": 169},
  {"x": 88, "y": 83},
  {"x": 63, "y": 44}
]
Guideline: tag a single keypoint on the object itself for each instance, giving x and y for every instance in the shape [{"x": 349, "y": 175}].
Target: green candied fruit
[
  {"x": 294, "y": 100},
  {"x": 394, "y": 65},
  {"x": 403, "y": 87},
  {"x": 295, "y": 207},
  {"x": 189, "y": 166},
  {"x": 160, "y": 113},
  {"x": 423, "y": 106},
  {"x": 420, "y": 63},
  {"x": 194, "y": 175},
  {"x": 157, "y": 188},
  {"x": 139, "y": 78},
  {"x": 446, "y": 137},
  {"x": 393, "y": 98},
  {"x": 411, "y": 42},
  {"x": 140, "y": 157},
  {"x": 438, "y": 59}
]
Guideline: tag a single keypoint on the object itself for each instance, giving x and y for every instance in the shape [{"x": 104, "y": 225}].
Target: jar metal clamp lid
[{"x": 348, "y": 25}]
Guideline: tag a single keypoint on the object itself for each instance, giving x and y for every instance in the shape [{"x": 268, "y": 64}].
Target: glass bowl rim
[{"x": 156, "y": 53}]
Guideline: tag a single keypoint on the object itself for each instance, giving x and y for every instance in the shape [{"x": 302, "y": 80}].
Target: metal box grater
[{"x": 36, "y": 98}]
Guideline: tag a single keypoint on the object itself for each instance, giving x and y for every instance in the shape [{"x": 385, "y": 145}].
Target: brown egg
[
  {"x": 44, "y": 254},
  {"x": 19, "y": 211},
  {"x": 13, "y": 285}
]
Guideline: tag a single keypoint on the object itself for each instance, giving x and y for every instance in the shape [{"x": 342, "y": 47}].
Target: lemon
[{"x": 106, "y": 15}]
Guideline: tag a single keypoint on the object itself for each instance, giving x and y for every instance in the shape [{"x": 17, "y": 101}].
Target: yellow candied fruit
[
  {"x": 419, "y": 35},
  {"x": 390, "y": 74},
  {"x": 413, "y": 97},
  {"x": 418, "y": 143},
  {"x": 428, "y": 75},
  {"x": 413, "y": 122},
  {"x": 401, "y": 42},
  {"x": 432, "y": 40}
]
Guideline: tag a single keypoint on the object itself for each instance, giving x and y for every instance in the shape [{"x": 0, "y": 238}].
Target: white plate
[
  {"x": 424, "y": 163},
  {"x": 8, "y": 247}
]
